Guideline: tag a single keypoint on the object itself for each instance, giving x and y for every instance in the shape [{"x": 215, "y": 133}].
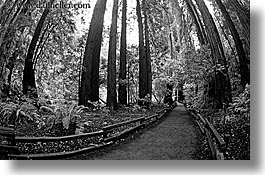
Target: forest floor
[{"x": 175, "y": 138}]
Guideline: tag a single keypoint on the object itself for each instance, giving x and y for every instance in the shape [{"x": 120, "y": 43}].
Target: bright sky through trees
[{"x": 132, "y": 30}]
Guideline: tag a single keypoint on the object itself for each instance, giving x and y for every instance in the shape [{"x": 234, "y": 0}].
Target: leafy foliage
[
  {"x": 197, "y": 72},
  {"x": 160, "y": 89},
  {"x": 238, "y": 122}
]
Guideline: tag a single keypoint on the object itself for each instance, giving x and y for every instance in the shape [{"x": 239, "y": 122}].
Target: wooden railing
[
  {"x": 7, "y": 142},
  {"x": 215, "y": 141},
  {"x": 105, "y": 137}
]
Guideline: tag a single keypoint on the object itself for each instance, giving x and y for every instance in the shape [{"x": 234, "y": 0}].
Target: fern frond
[{"x": 46, "y": 109}]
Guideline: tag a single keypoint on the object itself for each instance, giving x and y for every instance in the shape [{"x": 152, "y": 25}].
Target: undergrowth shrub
[
  {"x": 36, "y": 115},
  {"x": 238, "y": 122}
]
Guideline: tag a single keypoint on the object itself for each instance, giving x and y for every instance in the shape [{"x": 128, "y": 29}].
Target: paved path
[{"x": 175, "y": 138}]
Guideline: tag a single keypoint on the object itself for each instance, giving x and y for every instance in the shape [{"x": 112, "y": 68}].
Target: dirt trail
[{"x": 175, "y": 138}]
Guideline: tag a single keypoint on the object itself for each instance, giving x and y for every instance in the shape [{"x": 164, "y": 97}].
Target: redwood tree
[
  {"x": 89, "y": 89},
  {"x": 222, "y": 86},
  {"x": 143, "y": 69},
  {"x": 111, "y": 82},
  {"x": 196, "y": 19},
  {"x": 29, "y": 82},
  {"x": 244, "y": 17},
  {"x": 147, "y": 51},
  {"x": 244, "y": 70},
  {"x": 122, "y": 92}
]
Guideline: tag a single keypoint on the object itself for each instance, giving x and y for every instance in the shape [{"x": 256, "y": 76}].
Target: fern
[
  {"x": 7, "y": 111},
  {"x": 67, "y": 119},
  {"x": 46, "y": 110},
  {"x": 63, "y": 114}
]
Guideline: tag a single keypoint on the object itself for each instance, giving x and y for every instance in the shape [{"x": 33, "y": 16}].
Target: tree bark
[
  {"x": 123, "y": 60},
  {"x": 147, "y": 51},
  {"x": 194, "y": 14},
  {"x": 222, "y": 81},
  {"x": 244, "y": 70},
  {"x": 29, "y": 82},
  {"x": 225, "y": 34},
  {"x": 143, "y": 78},
  {"x": 244, "y": 17},
  {"x": 111, "y": 82},
  {"x": 89, "y": 90}
]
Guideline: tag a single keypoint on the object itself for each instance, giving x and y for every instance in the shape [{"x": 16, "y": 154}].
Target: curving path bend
[{"x": 176, "y": 138}]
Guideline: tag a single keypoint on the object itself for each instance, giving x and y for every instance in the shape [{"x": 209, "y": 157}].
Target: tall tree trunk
[
  {"x": 244, "y": 17},
  {"x": 225, "y": 34},
  {"x": 143, "y": 78},
  {"x": 111, "y": 82},
  {"x": 89, "y": 90},
  {"x": 244, "y": 70},
  {"x": 194, "y": 14},
  {"x": 7, "y": 33},
  {"x": 29, "y": 82},
  {"x": 222, "y": 81},
  {"x": 169, "y": 92},
  {"x": 173, "y": 14},
  {"x": 123, "y": 60},
  {"x": 147, "y": 51}
]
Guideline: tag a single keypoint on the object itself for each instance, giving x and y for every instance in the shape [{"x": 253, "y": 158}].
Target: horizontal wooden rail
[
  {"x": 9, "y": 147},
  {"x": 200, "y": 127},
  {"x": 210, "y": 132},
  {"x": 6, "y": 128},
  {"x": 202, "y": 119},
  {"x": 104, "y": 132},
  {"x": 216, "y": 135},
  {"x": 54, "y": 139},
  {"x": 211, "y": 144},
  {"x": 49, "y": 156},
  {"x": 123, "y": 133},
  {"x": 150, "y": 117},
  {"x": 111, "y": 127},
  {"x": 161, "y": 111},
  {"x": 4, "y": 131}
]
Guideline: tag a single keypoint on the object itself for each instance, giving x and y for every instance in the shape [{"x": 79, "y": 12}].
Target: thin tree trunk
[
  {"x": 36, "y": 58},
  {"x": 7, "y": 34},
  {"x": 244, "y": 70},
  {"x": 123, "y": 60},
  {"x": 11, "y": 67},
  {"x": 29, "y": 82},
  {"x": 40, "y": 43},
  {"x": 111, "y": 80},
  {"x": 89, "y": 90}
]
